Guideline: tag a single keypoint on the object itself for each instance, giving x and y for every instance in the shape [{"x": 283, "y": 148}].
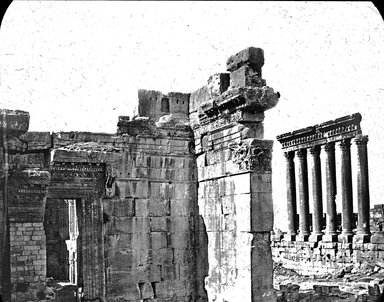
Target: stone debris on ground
[{"x": 349, "y": 284}]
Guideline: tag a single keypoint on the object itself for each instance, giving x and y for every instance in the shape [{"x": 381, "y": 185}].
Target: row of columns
[{"x": 331, "y": 233}]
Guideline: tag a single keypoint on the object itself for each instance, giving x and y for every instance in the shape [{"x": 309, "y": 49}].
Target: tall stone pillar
[
  {"x": 291, "y": 196},
  {"x": 303, "y": 194},
  {"x": 363, "y": 229},
  {"x": 317, "y": 194},
  {"x": 330, "y": 172},
  {"x": 235, "y": 179},
  {"x": 346, "y": 190}
]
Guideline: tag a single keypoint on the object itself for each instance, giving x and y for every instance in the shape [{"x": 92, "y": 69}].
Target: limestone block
[
  {"x": 251, "y": 56},
  {"x": 141, "y": 207},
  {"x": 261, "y": 182},
  {"x": 159, "y": 224},
  {"x": 245, "y": 76},
  {"x": 132, "y": 225},
  {"x": 183, "y": 207},
  {"x": 235, "y": 184},
  {"x": 121, "y": 261},
  {"x": 163, "y": 256},
  {"x": 141, "y": 241},
  {"x": 159, "y": 207},
  {"x": 124, "y": 208},
  {"x": 135, "y": 188},
  {"x": 158, "y": 240}
]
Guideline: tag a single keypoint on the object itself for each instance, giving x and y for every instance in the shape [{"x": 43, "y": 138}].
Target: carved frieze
[
  {"x": 336, "y": 130},
  {"x": 252, "y": 154}
]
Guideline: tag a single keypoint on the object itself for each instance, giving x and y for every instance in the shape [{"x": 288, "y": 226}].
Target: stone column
[
  {"x": 346, "y": 190},
  {"x": 317, "y": 194},
  {"x": 291, "y": 196},
  {"x": 303, "y": 195},
  {"x": 363, "y": 230},
  {"x": 330, "y": 172}
]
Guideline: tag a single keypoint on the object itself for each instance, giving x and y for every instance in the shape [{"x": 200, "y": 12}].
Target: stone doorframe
[{"x": 86, "y": 183}]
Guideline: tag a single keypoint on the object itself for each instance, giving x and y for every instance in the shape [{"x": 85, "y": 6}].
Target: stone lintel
[{"x": 331, "y": 131}]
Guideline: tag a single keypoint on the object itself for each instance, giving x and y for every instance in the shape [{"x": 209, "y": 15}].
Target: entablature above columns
[{"x": 343, "y": 128}]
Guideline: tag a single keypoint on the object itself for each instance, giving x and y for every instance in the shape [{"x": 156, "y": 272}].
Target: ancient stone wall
[
  {"x": 234, "y": 176},
  {"x": 319, "y": 258},
  {"x": 176, "y": 206}
]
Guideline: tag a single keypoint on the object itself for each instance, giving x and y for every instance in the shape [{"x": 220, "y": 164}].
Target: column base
[
  {"x": 345, "y": 238},
  {"x": 289, "y": 237},
  {"x": 315, "y": 237},
  {"x": 302, "y": 237},
  {"x": 362, "y": 238},
  {"x": 330, "y": 238}
]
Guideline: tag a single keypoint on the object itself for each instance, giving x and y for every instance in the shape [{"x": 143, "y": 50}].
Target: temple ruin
[{"x": 174, "y": 206}]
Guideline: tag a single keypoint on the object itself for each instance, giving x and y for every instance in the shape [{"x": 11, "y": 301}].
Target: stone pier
[{"x": 234, "y": 176}]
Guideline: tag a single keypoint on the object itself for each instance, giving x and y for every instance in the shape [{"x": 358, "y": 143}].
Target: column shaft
[
  {"x": 291, "y": 193},
  {"x": 362, "y": 186},
  {"x": 317, "y": 191},
  {"x": 303, "y": 192},
  {"x": 346, "y": 187},
  {"x": 330, "y": 172}
]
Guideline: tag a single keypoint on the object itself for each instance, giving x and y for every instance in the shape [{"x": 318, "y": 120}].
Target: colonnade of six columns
[{"x": 331, "y": 233}]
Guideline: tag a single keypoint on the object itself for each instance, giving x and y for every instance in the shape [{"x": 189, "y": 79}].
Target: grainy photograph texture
[{"x": 191, "y": 151}]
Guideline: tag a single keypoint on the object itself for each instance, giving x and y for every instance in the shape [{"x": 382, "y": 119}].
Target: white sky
[{"x": 77, "y": 65}]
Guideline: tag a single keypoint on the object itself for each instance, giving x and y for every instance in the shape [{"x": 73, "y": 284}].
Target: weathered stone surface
[
  {"x": 37, "y": 140},
  {"x": 251, "y": 56},
  {"x": 245, "y": 76},
  {"x": 14, "y": 122}
]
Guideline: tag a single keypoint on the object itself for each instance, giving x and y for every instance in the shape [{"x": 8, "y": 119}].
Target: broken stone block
[
  {"x": 251, "y": 56},
  {"x": 245, "y": 76}
]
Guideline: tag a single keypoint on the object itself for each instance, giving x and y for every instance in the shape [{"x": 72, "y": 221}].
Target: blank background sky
[{"x": 77, "y": 65}]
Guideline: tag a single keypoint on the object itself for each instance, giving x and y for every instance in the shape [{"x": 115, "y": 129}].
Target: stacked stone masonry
[{"x": 175, "y": 206}]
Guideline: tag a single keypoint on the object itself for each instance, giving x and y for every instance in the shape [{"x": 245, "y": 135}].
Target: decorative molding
[
  {"x": 331, "y": 131},
  {"x": 253, "y": 154}
]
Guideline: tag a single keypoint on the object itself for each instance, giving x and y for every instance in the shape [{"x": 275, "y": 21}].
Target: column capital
[
  {"x": 361, "y": 139},
  {"x": 329, "y": 147},
  {"x": 289, "y": 155},
  {"x": 345, "y": 143},
  {"x": 315, "y": 150},
  {"x": 301, "y": 153}
]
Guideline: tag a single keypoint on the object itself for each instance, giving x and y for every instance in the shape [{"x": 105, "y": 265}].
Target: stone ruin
[
  {"x": 175, "y": 206},
  {"x": 325, "y": 243}
]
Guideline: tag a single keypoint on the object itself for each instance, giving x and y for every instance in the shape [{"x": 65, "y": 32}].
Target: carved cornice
[
  {"x": 252, "y": 154},
  {"x": 331, "y": 131},
  {"x": 246, "y": 99}
]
